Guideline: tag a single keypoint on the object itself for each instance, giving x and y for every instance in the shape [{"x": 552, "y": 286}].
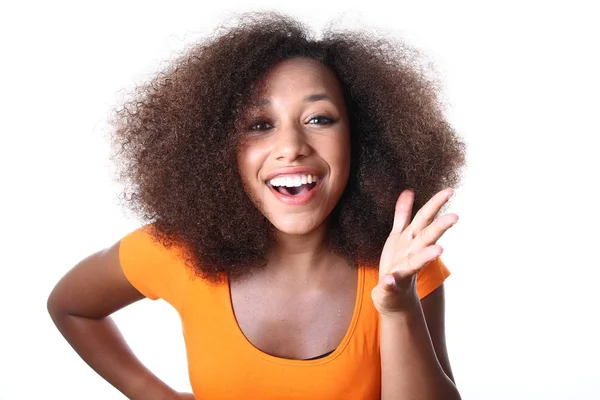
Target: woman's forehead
[{"x": 302, "y": 78}]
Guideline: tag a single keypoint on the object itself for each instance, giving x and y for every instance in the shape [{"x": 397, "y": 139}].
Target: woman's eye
[
  {"x": 317, "y": 120},
  {"x": 323, "y": 120},
  {"x": 260, "y": 126}
]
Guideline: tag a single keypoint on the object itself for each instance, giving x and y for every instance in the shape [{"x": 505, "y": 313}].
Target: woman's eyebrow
[
  {"x": 317, "y": 97},
  {"x": 312, "y": 98}
]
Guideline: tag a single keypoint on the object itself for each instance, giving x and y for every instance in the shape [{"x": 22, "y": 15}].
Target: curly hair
[{"x": 175, "y": 142}]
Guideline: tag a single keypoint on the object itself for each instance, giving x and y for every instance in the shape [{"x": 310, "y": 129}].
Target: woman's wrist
[{"x": 410, "y": 308}]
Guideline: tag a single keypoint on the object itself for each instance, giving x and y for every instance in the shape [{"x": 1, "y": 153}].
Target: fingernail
[
  {"x": 451, "y": 194},
  {"x": 389, "y": 280}
]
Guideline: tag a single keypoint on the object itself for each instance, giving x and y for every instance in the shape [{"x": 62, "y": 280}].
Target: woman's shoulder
[
  {"x": 147, "y": 243},
  {"x": 153, "y": 264}
]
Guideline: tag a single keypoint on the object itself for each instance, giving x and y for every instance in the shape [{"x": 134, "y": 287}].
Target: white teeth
[{"x": 293, "y": 180}]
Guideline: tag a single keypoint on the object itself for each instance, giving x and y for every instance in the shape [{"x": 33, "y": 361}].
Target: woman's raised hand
[{"x": 410, "y": 246}]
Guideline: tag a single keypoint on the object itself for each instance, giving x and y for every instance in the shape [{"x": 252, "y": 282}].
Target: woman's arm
[
  {"x": 80, "y": 306},
  {"x": 414, "y": 359}
]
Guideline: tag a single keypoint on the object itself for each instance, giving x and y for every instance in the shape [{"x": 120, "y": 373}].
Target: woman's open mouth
[{"x": 294, "y": 190}]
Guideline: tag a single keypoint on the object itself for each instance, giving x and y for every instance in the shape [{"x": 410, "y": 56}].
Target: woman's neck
[{"x": 301, "y": 257}]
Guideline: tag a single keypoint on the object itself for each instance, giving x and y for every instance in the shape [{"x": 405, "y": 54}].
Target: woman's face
[{"x": 295, "y": 154}]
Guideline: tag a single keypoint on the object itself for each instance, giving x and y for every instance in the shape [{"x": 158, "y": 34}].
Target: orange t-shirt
[{"x": 223, "y": 364}]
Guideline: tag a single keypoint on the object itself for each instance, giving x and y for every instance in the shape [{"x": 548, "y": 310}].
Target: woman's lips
[
  {"x": 294, "y": 171},
  {"x": 299, "y": 199}
]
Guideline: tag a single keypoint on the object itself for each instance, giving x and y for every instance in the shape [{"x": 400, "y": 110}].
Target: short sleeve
[
  {"x": 154, "y": 270},
  {"x": 431, "y": 277}
]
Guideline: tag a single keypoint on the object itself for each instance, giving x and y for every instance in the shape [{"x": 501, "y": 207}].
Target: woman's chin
[{"x": 293, "y": 226}]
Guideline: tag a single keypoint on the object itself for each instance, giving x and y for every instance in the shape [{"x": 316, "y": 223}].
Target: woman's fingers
[
  {"x": 427, "y": 213},
  {"x": 417, "y": 246},
  {"x": 433, "y": 232},
  {"x": 414, "y": 262},
  {"x": 403, "y": 210}
]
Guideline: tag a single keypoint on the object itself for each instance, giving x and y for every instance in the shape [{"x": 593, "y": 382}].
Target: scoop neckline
[{"x": 248, "y": 346}]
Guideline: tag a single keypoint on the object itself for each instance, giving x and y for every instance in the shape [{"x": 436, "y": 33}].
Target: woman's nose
[{"x": 290, "y": 143}]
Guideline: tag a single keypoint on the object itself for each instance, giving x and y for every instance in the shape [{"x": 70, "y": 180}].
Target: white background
[{"x": 521, "y": 81}]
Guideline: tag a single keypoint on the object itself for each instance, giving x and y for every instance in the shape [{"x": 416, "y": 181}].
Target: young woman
[{"x": 290, "y": 189}]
